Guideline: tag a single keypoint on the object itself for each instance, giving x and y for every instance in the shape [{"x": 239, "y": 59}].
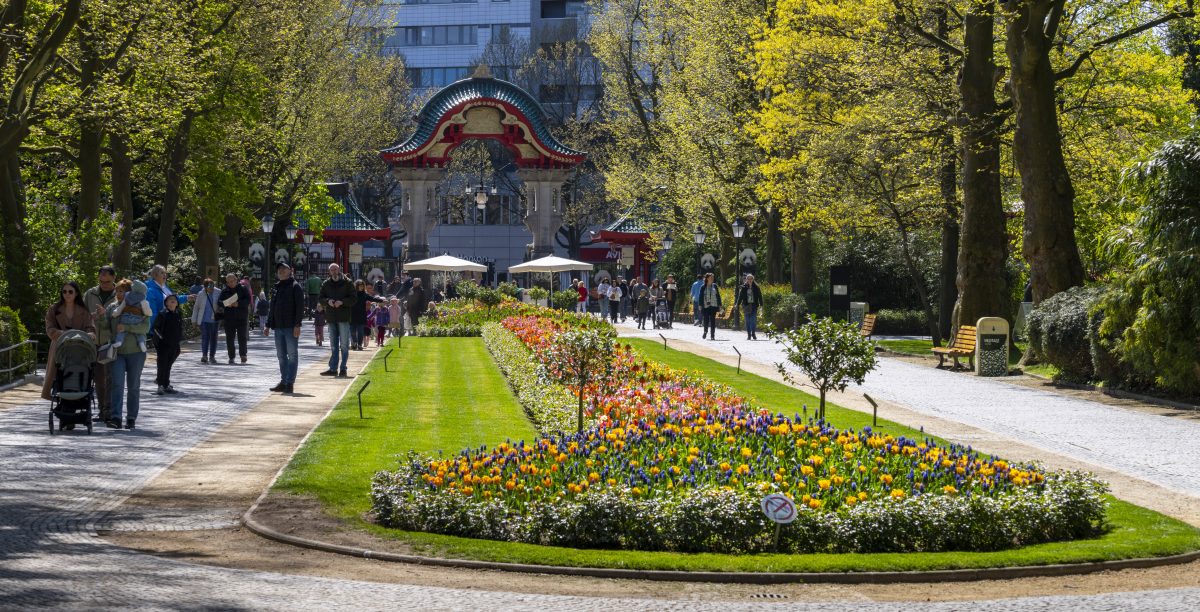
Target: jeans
[
  {"x": 208, "y": 340},
  {"x": 603, "y": 309},
  {"x": 581, "y": 307},
  {"x": 287, "y": 352},
  {"x": 710, "y": 321},
  {"x": 126, "y": 371},
  {"x": 356, "y": 335},
  {"x": 239, "y": 329},
  {"x": 697, "y": 312},
  {"x": 339, "y": 340},
  {"x": 751, "y": 312}
]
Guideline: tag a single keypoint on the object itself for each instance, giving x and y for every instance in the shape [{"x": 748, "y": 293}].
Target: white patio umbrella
[
  {"x": 445, "y": 263},
  {"x": 551, "y": 263}
]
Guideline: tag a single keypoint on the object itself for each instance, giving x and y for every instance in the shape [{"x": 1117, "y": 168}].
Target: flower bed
[
  {"x": 466, "y": 317},
  {"x": 548, "y": 404},
  {"x": 673, "y": 462}
]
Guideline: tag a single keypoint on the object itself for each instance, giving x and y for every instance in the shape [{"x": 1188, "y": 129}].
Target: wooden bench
[
  {"x": 868, "y": 326},
  {"x": 723, "y": 316},
  {"x": 963, "y": 346}
]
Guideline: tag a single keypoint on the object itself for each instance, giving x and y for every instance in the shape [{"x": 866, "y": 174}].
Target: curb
[
  {"x": 1121, "y": 393},
  {"x": 963, "y": 575}
]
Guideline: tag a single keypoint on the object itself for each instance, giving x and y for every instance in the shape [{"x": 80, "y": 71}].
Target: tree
[
  {"x": 582, "y": 357},
  {"x": 831, "y": 354}
]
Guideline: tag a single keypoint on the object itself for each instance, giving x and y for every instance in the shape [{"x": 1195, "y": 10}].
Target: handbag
[{"x": 218, "y": 308}]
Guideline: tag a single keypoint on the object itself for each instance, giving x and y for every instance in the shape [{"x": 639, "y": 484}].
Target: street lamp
[
  {"x": 291, "y": 232},
  {"x": 268, "y": 224},
  {"x": 698, "y": 237},
  {"x": 308, "y": 237},
  {"x": 739, "y": 228},
  {"x": 667, "y": 242}
]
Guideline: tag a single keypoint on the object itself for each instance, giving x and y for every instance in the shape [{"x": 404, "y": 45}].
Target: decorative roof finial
[{"x": 482, "y": 71}]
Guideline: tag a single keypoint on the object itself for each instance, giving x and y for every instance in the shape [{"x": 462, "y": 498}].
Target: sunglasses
[{"x": 68, "y": 292}]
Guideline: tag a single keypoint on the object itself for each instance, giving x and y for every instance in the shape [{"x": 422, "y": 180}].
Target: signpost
[{"x": 781, "y": 509}]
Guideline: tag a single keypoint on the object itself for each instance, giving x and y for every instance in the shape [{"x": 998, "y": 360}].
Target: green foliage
[
  {"x": 1155, "y": 309},
  {"x": 537, "y": 294},
  {"x": 788, "y": 309},
  {"x": 900, "y": 323},
  {"x": 830, "y": 354},
  {"x": 565, "y": 299},
  {"x": 61, "y": 254},
  {"x": 467, "y": 289},
  {"x": 12, "y": 331},
  {"x": 584, "y": 356},
  {"x": 489, "y": 297},
  {"x": 1058, "y": 332},
  {"x": 549, "y": 405},
  {"x": 509, "y": 289}
]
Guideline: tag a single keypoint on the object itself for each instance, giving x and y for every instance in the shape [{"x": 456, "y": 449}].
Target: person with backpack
[
  {"x": 168, "y": 334},
  {"x": 285, "y": 315},
  {"x": 204, "y": 315}
]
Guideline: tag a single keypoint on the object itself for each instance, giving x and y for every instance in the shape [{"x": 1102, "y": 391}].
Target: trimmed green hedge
[{"x": 12, "y": 331}]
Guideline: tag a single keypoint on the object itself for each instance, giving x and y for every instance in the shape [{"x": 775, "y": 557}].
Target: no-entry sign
[{"x": 779, "y": 508}]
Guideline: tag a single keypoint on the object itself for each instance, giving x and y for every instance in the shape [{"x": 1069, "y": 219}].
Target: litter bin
[{"x": 991, "y": 347}]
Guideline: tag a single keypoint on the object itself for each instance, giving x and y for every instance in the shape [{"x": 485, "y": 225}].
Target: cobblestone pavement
[
  {"x": 1089, "y": 431},
  {"x": 56, "y": 492}
]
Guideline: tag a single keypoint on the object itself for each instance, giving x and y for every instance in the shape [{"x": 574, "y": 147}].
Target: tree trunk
[
  {"x": 176, "y": 165},
  {"x": 982, "y": 285},
  {"x": 207, "y": 247},
  {"x": 802, "y": 261},
  {"x": 948, "y": 175},
  {"x": 122, "y": 200},
  {"x": 1049, "y": 243},
  {"x": 21, "y": 292},
  {"x": 91, "y": 139},
  {"x": 774, "y": 246},
  {"x": 233, "y": 237}
]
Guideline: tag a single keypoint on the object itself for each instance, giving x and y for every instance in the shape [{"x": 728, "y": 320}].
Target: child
[
  {"x": 168, "y": 333},
  {"x": 383, "y": 318},
  {"x": 135, "y": 311},
  {"x": 372, "y": 315},
  {"x": 643, "y": 308},
  {"x": 394, "y": 320},
  {"x": 319, "y": 324},
  {"x": 262, "y": 309}
]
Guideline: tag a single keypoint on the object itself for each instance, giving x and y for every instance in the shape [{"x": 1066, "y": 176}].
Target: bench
[
  {"x": 868, "y": 326},
  {"x": 723, "y": 316},
  {"x": 962, "y": 346}
]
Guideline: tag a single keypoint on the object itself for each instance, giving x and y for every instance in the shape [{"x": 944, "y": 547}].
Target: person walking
[
  {"x": 97, "y": 300},
  {"x": 358, "y": 316},
  {"x": 168, "y": 334},
  {"x": 643, "y": 308},
  {"x": 418, "y": 303},
  {"x": 126, "y": 391},
  {"x": 670, "y": 292},
  {"x": 337, "y": 298},
  {"x": 319, "y": 324},
  {"x": 602, "y": 291},
  {"x": 68, "y": 313},
  {"x": 696, "y": 310},
  {"x": 395, "y": 320},
  {"x": 235, "y": 315},
  {"x": 285, "y": 315},
  {"x": 749, "y": 297},
  {"x": 312, "y": 289},
  {"x": 614, "y": 302},
  {"x": 581, "y": 302},
  {"x": 157, "y": 291},
  {"x": 710, "y": 303},
  {"x": 383, "y": 319},
  {"x": 204, "y": 315},
  {"x": 262, "y": 309},
  {"x": 626, "y": 299}
]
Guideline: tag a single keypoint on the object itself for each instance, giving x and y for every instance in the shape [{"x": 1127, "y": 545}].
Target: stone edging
[{"x": 963, "y": 575}]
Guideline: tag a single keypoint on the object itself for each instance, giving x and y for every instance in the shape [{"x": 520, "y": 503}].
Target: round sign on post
[{"x": 779, "y": 508}]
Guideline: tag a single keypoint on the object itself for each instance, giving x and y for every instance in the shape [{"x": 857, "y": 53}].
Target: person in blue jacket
[
  {"x": 157, "y": 291},
  {"x": 696, "y": 299}
]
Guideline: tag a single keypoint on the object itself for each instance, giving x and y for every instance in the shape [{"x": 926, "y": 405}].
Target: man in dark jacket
[
  {"x": 235, "y": 299},
  {"x": 338, "y": 297},
  {"x": 417, "y": 303},
  {"x": 284, "y": 316},
  {"x": 749, "y": 297}
]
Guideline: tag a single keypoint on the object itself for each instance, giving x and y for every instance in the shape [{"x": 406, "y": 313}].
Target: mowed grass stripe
[{"x": 442, "y": 394}]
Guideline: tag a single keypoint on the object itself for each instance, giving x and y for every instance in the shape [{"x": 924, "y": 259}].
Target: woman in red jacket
[{"x": 581, "y": 305}]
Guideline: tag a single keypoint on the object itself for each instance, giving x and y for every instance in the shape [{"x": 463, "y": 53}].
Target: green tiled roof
[
  {"x": 480, "y": 88},
  {"x": 351, "y": 218},
  {"x": 626, "y": 225}
]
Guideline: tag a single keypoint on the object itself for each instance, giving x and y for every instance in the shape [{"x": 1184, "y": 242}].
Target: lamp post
[
  {"x": 308, "y": 238},
  {"x": 268, "y": 225},
  {"x": 739, "y": 228},
  {"x": 698, "y": 237}
]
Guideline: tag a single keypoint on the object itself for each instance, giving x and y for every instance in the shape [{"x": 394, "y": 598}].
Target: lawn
[{"x": 445, "y": 394}]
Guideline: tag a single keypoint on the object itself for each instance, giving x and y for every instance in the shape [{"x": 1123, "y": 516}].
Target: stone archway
[{"x": 481, "y": 107}]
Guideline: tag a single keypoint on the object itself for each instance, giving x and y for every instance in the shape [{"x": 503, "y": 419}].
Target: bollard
[
  {"x": 874, "y": 410},
  {"x": 360, "y": 390}
]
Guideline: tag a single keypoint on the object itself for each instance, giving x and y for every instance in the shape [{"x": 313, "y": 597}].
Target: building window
[
  {"x": 424, "y": 36},
  {"x": 554, "y": 9}
]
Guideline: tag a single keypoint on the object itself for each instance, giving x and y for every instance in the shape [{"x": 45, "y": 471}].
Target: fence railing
[{"x": 28, "y": 363}]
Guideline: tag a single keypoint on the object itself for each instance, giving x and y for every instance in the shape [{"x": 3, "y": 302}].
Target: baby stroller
[
  {"x": 74, "y": 387},
  {"x": 662, "y": 314}
]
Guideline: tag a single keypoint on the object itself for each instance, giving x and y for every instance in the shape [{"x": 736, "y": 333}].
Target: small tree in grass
[
  {"x": 582, "y": 357},
  {"x": 830, "y": 354},
  {"x": 537, "y": 294},
  {"x": 489, "y": 297}
]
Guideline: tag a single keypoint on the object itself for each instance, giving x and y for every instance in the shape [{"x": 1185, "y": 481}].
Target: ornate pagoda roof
[
  {"x": 351, "y": 219},
  {"x": 626, "y": 225},
  {"x": 482, "y": 107}
]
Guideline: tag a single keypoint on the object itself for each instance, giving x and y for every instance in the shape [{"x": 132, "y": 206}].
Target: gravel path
[{"x": 55, "y": 492}]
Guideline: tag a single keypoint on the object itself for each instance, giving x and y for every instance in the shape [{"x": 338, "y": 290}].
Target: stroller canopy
[{"x": 74, "y": 347}]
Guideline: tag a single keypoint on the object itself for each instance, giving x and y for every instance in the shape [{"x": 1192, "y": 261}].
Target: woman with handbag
[{"x": 206, "y": 312}]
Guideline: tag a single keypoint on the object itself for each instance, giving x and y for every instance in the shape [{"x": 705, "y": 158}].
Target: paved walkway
[
  {"x": 1158, "y": 449},
  {"x": 55, "y": 492}
]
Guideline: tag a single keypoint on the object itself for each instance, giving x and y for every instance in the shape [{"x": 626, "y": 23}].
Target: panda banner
[
  {"x": 747, "y": 262},
  {"x": 258, "y": 257}
]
